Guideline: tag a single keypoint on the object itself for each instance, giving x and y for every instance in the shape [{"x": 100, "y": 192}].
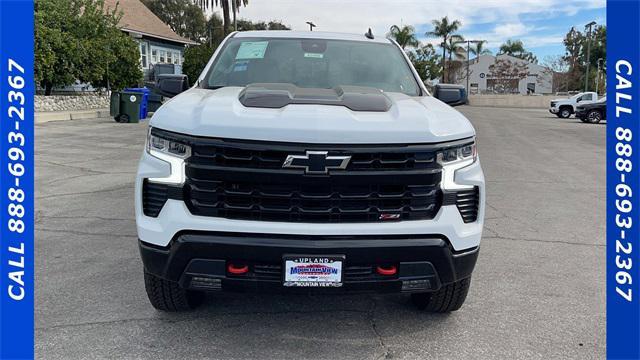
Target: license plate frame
[{"x": 315, "y": 271}]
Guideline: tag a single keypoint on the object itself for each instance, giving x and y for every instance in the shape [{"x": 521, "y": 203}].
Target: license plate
[{"x": 313, "y": 271}]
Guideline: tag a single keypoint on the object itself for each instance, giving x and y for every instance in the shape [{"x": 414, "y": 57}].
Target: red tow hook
[
  {"x": 386, "y": 270},
  {"x": 237, "y": 269}
]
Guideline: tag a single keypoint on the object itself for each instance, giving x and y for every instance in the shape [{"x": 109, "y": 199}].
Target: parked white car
[{"x": 563, "y": 108}]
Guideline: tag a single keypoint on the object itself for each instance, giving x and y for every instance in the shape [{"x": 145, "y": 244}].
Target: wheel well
[{"x": 562, "y": 107}]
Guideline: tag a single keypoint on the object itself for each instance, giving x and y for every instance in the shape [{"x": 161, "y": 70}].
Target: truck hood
[
  {"x": 219, "y": 113},
  {"x": 561, "y": 100}
]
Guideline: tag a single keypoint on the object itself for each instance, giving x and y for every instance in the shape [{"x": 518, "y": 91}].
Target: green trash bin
[
  {"x": 114, "y": 104},
  {"x": 129, "y": 111}
]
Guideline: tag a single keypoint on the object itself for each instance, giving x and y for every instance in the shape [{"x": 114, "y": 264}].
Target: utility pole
[
  {"x": 311, "y": 25},
  {"x": 586, "y": 78},
  {"x": 600, "y": 60},
  {"x": 468, "y": 59}
]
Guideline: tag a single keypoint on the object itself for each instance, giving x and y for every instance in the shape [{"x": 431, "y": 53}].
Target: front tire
[
  {"x": 594, "y": 116},
  {"x": 565, "y": 112},
  {"x": 448, "y": 298},
  {"x": 168, "y": 296}
]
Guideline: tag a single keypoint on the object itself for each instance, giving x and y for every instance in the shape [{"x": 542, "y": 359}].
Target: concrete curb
[{"x": 44, "y": 117}]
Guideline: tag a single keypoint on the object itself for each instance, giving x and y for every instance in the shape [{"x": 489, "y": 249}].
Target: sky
[{"x": 540, "y": 24}]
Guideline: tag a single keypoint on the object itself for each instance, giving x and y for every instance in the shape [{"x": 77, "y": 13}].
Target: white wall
[{"x": 479, "y": 69}]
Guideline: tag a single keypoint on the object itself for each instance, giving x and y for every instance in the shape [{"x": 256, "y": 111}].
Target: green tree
[
  {"x": 80, "y": 40},
  {"x": 404, "y": 36},
  {"x": 426, "y": 62},
  {"x": 575, "y": 56},
  {"x": 248, "y": 25},
  {"x": 516, "y": 48},
  {"x": 195, "y": 59},
  {"x": 444, "y": 28},
  {"x": 184, "y": 18},
  {"x": 478, "y": 48}
]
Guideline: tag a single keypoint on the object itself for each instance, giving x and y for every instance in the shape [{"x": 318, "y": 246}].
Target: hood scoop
[{"x": 277, "y": 95}]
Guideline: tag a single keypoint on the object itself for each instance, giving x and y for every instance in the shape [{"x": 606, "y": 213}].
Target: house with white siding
[{"x": 158, "y": 44}]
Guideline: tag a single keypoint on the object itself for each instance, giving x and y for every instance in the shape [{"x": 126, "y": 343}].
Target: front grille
[
  {"x": 363, "y": 160},
  {"x": 153, "y": 198},
  {"x": 311, "y": 202},
  {"x": 553, "y": 104},
  {"x": 238, "y": 179},
  {"x": 241, "y": 180},
  {"x": 467, "y": 202}
]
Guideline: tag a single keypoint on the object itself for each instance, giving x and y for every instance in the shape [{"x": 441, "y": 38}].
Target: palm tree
[
  {"x": 235, "y": 4},
  {"x": 444, "y": 29},
  {"x": 512, "y": 47},
  {"x": 404, "y": 36},
  {"x": 453, "y": 46},
  {"x": 206, "y": 5},
  {"x": 478, "y": 49},
  {"x": 516, "y": 48}
]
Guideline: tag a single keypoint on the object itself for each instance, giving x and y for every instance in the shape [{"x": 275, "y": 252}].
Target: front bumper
[
  {"x": 554, "y": 110},
  {"x": 198, "y": 260},
  {"x": 581, "y": 114}
]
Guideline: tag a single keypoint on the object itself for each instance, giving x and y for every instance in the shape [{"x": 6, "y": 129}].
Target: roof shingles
[{"x": 138, "y": 18}]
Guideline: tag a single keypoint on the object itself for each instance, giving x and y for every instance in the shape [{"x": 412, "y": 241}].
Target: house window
[
  {"x": 169, "y": 56},
  {"x": 143, "y": 54},
  {"x": 176, "y": 58},
  {"x": 163, "y": 55},
  {"x": 154, "y": 56}
]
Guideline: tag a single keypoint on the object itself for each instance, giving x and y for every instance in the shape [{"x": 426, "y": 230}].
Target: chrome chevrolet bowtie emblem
[{"x": 316, "y": 162}]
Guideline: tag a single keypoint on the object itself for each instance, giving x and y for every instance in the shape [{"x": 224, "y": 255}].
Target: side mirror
[
  {"x": 578, "y": 100},
  {"x": 170, "y": 85},
  {"x": 451, "y": 94}
]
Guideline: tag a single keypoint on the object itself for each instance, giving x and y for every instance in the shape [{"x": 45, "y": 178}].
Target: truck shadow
[{"x": 306, "y": 326}]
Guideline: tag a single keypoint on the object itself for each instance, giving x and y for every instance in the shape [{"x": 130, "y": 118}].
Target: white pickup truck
[
  {"x": 309, "y": 162},
  {"x": 563, "y": 108}
]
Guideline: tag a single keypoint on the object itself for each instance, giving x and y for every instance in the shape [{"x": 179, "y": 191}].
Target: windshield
[{"x": 312, "y": 63}]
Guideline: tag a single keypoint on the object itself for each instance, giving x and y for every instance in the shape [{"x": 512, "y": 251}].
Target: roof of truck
[{"x": 310, "y": 35}]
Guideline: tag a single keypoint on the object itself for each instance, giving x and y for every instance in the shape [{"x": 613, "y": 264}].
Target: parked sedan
[{"x": 592, "y": 112}]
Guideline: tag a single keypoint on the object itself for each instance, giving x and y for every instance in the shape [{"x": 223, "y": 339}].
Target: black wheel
[
  {"x": 168, "y": 296},
  {"x": 122, "y": 118},
  {"x": 594, "y": 116},
  {"x": 448, "y": 298},
  {"x": 565, "y": 112}
]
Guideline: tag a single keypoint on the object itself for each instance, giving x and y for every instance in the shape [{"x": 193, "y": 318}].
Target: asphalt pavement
[{"x": 538, "y": 291}]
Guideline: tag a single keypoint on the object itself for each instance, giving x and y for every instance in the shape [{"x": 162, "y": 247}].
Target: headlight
[
  {"x": 459, "y": 153},
  {"x": 453, "y": 159},
  {"x": 170, "y": 151},
  {"x": 172, "y": 148}
]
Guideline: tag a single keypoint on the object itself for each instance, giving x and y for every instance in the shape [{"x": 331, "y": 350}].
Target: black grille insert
[
  {"x": 467, "y": 202},
  {"x": 154, "y": 196}
]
